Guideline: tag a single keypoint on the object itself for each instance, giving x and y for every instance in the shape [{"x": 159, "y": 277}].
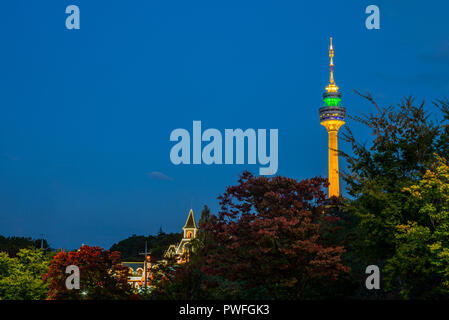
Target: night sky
[{"x": 86, "y": 115}]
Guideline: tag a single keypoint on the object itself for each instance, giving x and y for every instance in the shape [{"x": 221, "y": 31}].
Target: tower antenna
[{"x": 332, "y": 87}]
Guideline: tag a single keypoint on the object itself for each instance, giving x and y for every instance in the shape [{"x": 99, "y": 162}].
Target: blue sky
[{"x": 86, "y": 115}]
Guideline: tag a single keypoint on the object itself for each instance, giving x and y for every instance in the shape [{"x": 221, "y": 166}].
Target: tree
[
  {"x": 403, "y": 147},
  {"x": 205, "y": 215},
  {"x": 203, "y": 237},
  {"x": 21, "y": 276},
  {"x": 420, "y": 265},
  {"x": 132, "y": 246},
  {"x": 267, "y": 240},
  {"x": 12, "y": 245},
  {"x": 101, "y": 275},
  {"x": 173, "y": 281}
]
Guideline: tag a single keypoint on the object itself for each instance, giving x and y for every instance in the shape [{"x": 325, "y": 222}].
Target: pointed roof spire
[
  {"x": 190, "y": 223},
  {"x": 332, "y": 87}
]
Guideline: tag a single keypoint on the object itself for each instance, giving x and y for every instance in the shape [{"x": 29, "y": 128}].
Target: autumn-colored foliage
[
  {"x": 267, "y": 238},
  {"x": 101, "y": 275}
]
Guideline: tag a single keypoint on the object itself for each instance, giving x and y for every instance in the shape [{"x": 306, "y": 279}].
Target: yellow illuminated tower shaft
[
  {"x": 334, "y": 177},
  {"x": 332, "y": 116}
]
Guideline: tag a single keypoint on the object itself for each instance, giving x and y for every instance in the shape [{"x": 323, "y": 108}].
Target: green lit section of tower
[{"x": 332, "y": 101}]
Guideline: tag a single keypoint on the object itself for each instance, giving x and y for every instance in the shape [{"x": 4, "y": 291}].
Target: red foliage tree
[
  {"x": 101, "y": 275},
  {"x": 268, "y": 237}
]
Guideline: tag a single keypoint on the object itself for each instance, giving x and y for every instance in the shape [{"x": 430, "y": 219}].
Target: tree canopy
[
  {"x": 405, "y": 142},
  {"x": 267, "y": 239},
  {"x": 102, "y": 276},
  {"x": 21, "y": 276},
  {"x": 132, "y": 246}
]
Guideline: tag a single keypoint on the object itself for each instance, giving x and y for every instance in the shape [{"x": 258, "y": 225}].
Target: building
[
  {"x": 332, "y": 117},
  {"x": 138, "y": 270},
  {"x": 181, "y": 250}
]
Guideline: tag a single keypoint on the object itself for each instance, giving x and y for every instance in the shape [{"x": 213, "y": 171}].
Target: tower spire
[{"x": 332, "y": 87}]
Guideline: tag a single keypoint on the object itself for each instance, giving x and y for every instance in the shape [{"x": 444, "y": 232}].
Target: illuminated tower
[{"x": 332, "y": 116}]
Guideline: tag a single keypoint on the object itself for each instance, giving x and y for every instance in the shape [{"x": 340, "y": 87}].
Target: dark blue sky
[{"x": 86, "y": 115}]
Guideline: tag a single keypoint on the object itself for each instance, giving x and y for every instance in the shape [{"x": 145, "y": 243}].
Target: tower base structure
[{"x": 332, "y": 127}]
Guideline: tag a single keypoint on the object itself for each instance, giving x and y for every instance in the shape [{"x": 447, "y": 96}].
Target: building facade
[
  {"x": 182, "y": 249},
  {"x": 139, "y": 270}
]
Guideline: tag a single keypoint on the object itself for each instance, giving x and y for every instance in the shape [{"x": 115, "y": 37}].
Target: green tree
[
  {"x": 21, "y": 276},
  {"x": 204, "y": 236},
  {"x": 132, "y": 246},
  {"x": 12, "y": 245},
  {"x": 420, "y": 265},
  {"x": 403, "y": 147},
  {"x": 205, "y": 215}
]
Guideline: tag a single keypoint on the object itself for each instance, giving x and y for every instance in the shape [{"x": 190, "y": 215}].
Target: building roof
[
  {"x": 133, "y": 265},
  {"x": 190, "y": 223}
]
